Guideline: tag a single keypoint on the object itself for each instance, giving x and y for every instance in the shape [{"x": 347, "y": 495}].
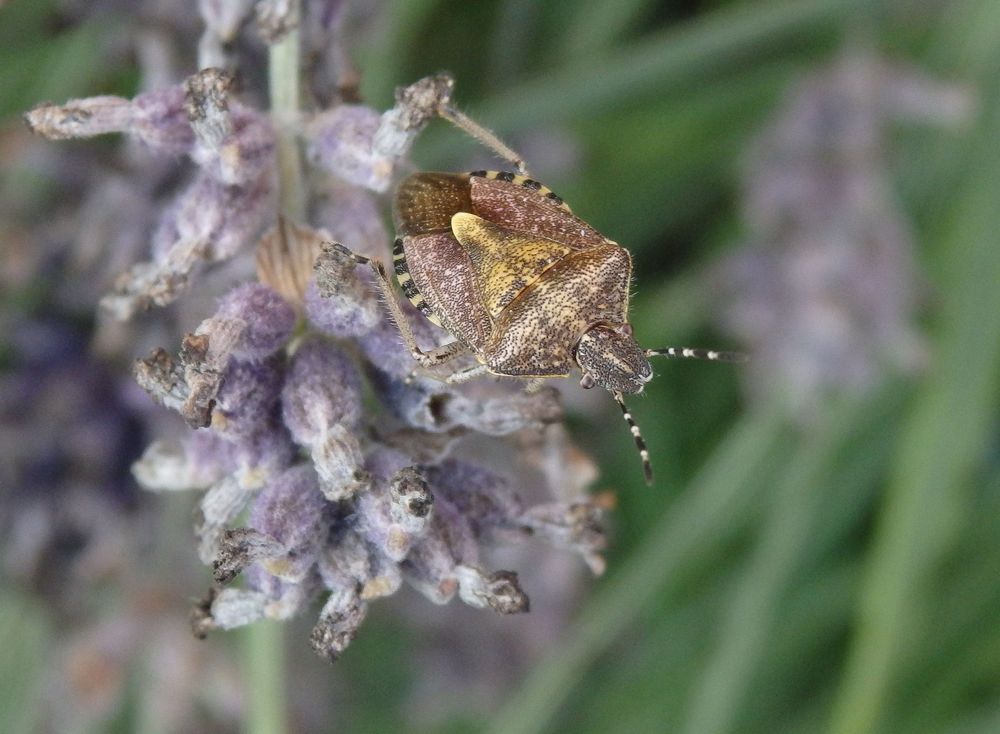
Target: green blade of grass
[{"x": 784, "y": 535}]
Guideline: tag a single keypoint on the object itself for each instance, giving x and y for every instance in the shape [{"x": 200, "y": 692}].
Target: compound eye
[{"x": 587, "y": 382}]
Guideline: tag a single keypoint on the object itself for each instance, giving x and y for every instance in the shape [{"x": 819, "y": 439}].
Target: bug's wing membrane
[
  {"x": 530, "y": 212},
  {"x": 505, "y": 262},
  {"x": 425, "y": 202}
]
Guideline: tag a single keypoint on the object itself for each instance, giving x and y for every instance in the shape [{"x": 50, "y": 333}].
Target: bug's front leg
[{"x": 431, "y": 358}]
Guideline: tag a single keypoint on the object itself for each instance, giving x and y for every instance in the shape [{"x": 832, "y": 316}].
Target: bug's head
[{"x": 609, "y": 357}]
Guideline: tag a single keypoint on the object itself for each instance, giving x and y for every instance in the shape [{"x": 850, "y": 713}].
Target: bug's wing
[
  {"x": 425, "y": 201},
  {"x": 505, "y": 262},
  {"x": 529, "y": 211}
]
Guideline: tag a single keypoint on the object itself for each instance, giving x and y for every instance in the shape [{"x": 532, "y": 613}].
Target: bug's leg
[
  {"x": 439, "y": 356},
  {"x": 425, "y": 359},
  {"x": 484, "y": 136},
  {"x": 456, "y": 378},
  {"x": 709, "y": 355},
  {"x": 447, "y": 351}
]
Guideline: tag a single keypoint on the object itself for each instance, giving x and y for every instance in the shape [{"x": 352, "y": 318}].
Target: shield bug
[{"x": 523, "y": 284}]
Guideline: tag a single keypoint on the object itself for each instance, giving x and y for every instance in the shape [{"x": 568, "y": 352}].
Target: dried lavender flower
[
  {"x": 222, "y": 208},
  {"x": 345, "y": 497}
]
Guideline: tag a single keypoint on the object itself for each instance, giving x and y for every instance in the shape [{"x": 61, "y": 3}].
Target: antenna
[
  {"x": 709, "y": 355},
  {"x": 647, "y": 468}
]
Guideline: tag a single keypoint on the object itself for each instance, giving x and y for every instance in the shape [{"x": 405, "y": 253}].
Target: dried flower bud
[
  {"x": 448, "y": 542},
  {"x": 576, "y": 526},
  {"x": 290, "y": 511},
  {"x": 393, "y": 517},
  {"x": 321, "y": 407},
  {"x": 155, "y": 118},
  {"x": 485, "y": 497},
  {"x": 416, "y": 105},
  {"x": 338, "y": 624},
  {"x": 220, "y": 505},
  {"x": 265, "y": 320},
  {"x": 339, "y": 303},
  {"x": 228, "y": 609},
  {"x": 236, "y": 147},
  {"x": 499, "y": 591},
  {"x": 362, "y": 147},
  {"x": 223, "y": 19},
  {"x": 341, "y": 140},
  {"x": 410, "y": 501},
  {"x": 163, "y": 469},
  {"x": 208, "y": 222},
  {"x": 436, "y": 406},
  {"x": 240, "y": 547},
  {"x": 276, "y": 18},
  {"x": 207, "y": 106}
]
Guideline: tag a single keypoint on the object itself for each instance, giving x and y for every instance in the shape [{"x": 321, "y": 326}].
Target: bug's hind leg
[
  {"x": 430, "y": 358},
  {"x": 487, "y": 137}
]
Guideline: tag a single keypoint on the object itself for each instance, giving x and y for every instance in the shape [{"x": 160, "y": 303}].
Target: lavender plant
[
  {"x": 329, "y": 469},
  {"x": 827, "y": 290}
]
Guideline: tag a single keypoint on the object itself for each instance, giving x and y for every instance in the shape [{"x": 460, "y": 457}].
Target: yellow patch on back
[{"x": 506, "y": 262}]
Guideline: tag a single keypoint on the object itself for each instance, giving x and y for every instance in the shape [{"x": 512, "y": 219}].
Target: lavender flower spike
[{"x": 347, "y": 497}]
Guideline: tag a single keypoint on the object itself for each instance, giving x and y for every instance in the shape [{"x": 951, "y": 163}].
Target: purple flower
[{"x": 312, "y": 419}]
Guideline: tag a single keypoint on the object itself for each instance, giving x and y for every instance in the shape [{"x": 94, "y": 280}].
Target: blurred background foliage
[{"x": 835, "y": 569}]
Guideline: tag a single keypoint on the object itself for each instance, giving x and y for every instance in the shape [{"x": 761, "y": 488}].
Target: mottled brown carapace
[{"x": 503, "y": 264}]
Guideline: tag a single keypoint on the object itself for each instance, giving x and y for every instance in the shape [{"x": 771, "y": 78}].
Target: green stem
[
  {"x": 284, "y": 79},
  {"x": 263, "y": 642},
  {"x": 264, "y": 665}
]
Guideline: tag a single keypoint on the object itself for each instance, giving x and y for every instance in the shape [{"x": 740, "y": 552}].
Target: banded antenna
[
  {"x": 709, "y": 355},
  {"x": 640, "y": 444}
]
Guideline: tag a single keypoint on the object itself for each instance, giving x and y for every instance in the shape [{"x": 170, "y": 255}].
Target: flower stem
[
  {"x": 264, "y": 654},
  {"x": 264, "y": 665},
  {"x": 284, "y": 80}
]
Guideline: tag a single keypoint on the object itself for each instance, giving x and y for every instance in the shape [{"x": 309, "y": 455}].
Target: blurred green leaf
[
  {"x": 710, "y": 511},
  {"x": 677, "y": 57},
  {"x": 943, "y": 438},
  {"x": 24, "y": 640}
]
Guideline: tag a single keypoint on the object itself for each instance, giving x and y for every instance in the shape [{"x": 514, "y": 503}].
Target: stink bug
[{"x": 524, "y": 285}]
